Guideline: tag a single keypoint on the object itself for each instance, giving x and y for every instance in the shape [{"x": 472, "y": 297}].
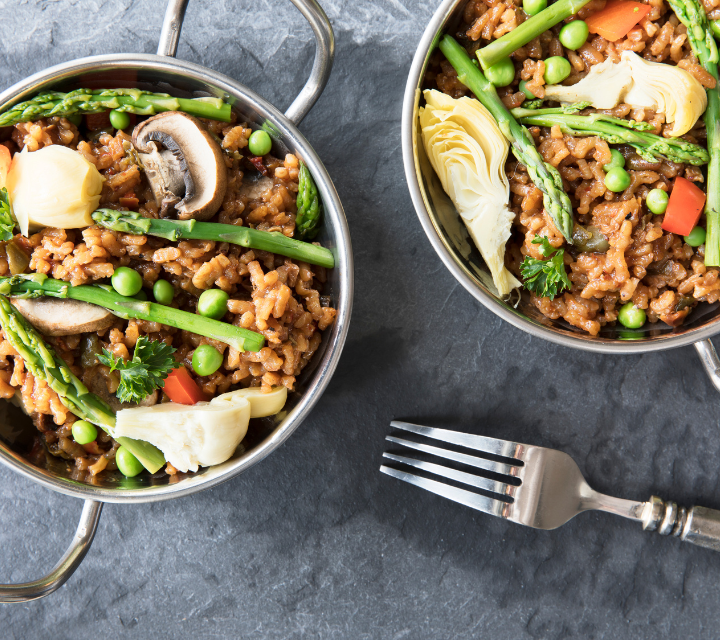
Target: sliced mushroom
[
  {"x": 183, "y": 164},
  {"x": 97, "y": 383},
  {"x": 255, "y": 188},
  {"x": 63, "y": 317}
]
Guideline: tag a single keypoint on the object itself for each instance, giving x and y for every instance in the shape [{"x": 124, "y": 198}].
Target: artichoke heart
[
  {"x": 204, "y": 434},
  {"x": 468, "y": 152},
  {"x": 53, "y": 187},
  {"x": 662, "y": 87}
]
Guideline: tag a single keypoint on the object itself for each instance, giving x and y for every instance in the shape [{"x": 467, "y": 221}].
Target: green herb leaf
[
  {"x": 150, "y": 365},
  {"x": 7, "y": 221},
  {"x": 545, "y": 278}
]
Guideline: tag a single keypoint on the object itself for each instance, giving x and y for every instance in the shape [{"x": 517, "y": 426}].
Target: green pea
[
  {"x": 84, "y": 432},
  {"x": 127, "y": 463},
  {"x": 557, "y": 69},
  {"x": 617, "y": 160},
  {"x": 574, "y": 34},
  {"x": 75, "y": 118},
  {"x": 631, "y": 317},
  {"x": 657, "y": 201},
  {"x": 502, "y": 73},
  {"x": 259, "y": 143},
  {"x": 212, "y": 303},
  {"x": 141, "y": 295},
  {"x": 163, "y": 291},
  {"x": 126, "y": 281},
  {"x": 528, "y": 94},
  {"x": 206, "y": 360},
  {"x": 696, "y": 237},
  {"x": 617, "y": 179},
  {"x": 119, "y": 119},
  {"x": 533, "y": 7}
]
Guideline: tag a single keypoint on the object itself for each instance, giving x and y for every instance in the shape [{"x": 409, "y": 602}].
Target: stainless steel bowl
[
  {"x": 162, "y": 72},
  {"x": 449, "y": 238}
]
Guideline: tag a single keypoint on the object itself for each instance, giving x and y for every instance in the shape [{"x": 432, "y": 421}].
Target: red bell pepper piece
[
  {"x": 181, "y": 388},
  {"x": 617, "y": 18},
  {"x": 258, "y": 164},
  {"x": 684, "y": 207}
]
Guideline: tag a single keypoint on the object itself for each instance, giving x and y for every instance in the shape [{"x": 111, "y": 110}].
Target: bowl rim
[
  {"x": 334, "y": 214},
  {"x": 429, "y": 39}
]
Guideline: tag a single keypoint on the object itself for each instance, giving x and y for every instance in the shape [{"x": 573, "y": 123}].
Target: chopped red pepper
[
  {"x": 181, "y": 388},
  {"x": 617, "y": 19},
  {"x": 258, "y": 163},
  {"x": 684, "y": 207}
]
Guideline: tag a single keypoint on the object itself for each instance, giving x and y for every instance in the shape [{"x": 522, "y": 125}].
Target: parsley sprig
[
  {"x": 7, "y": 222},
  {"x": 545, "y": 278},
  {"x": 151, "y": 363}
]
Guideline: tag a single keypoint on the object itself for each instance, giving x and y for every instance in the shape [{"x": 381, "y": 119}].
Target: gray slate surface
[{"x": 315, "y": 542}]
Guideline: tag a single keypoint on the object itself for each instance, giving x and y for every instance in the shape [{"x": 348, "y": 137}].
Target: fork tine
[
  {"x": 453, "y": 474},
  {"x": 469, "y": 499},
  {"x": 480, "y": 463},
  {"x": 495, "y": 446}
]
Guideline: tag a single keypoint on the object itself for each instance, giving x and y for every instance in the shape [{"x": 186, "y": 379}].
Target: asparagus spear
[
  {"x": 531, "y": 28},
  {"x": 144, "y": 103},
  {"x": 37, "y": 285},
  {"x": 715, "y": 28},
  {"x": 651, "y": 147},
  {"x": 572, "y": 109},
  {"x": 42, "y": 361},
  {"x": 544, "y": 176},
  {"x": 274, "y": 241},
  {"x": 309, "y": 207},
  {"x": 692, "y": 14}
]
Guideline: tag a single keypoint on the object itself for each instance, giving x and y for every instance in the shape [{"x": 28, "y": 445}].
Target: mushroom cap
[
  {"x": 189, "y": 148},
  {"x": 62, "y": 316}
]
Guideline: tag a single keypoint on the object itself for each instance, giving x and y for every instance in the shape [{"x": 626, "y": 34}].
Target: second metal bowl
[{"x": 449, "y": 238}]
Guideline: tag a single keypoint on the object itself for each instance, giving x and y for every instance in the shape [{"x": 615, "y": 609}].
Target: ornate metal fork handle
[
  {"x": 535, "y": 486},
  {"x": 698, "y": 525}
]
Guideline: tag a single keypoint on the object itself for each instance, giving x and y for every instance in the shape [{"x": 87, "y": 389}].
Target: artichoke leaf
[
  {"x": 53, "y": 187},
  {"x": 468, "y": 152},
  {"x": 664, "y": 88},
  {"x": 203, "y": 434}
]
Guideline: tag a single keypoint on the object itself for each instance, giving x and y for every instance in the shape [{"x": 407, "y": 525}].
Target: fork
[{"x": 535, "y": 486}]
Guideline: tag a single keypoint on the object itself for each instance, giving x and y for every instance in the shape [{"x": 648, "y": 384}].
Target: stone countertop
[{"x": 315, "y": 542}]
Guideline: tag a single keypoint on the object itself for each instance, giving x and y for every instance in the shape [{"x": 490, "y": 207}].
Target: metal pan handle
[
  {"x": 65, "y": 567},
  {"x": 710, "y": 361},
  {"x": 324, "y": 50}
]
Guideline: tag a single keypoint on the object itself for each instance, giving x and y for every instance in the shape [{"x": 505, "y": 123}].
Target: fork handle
[{"x": 698, "y": 525}]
